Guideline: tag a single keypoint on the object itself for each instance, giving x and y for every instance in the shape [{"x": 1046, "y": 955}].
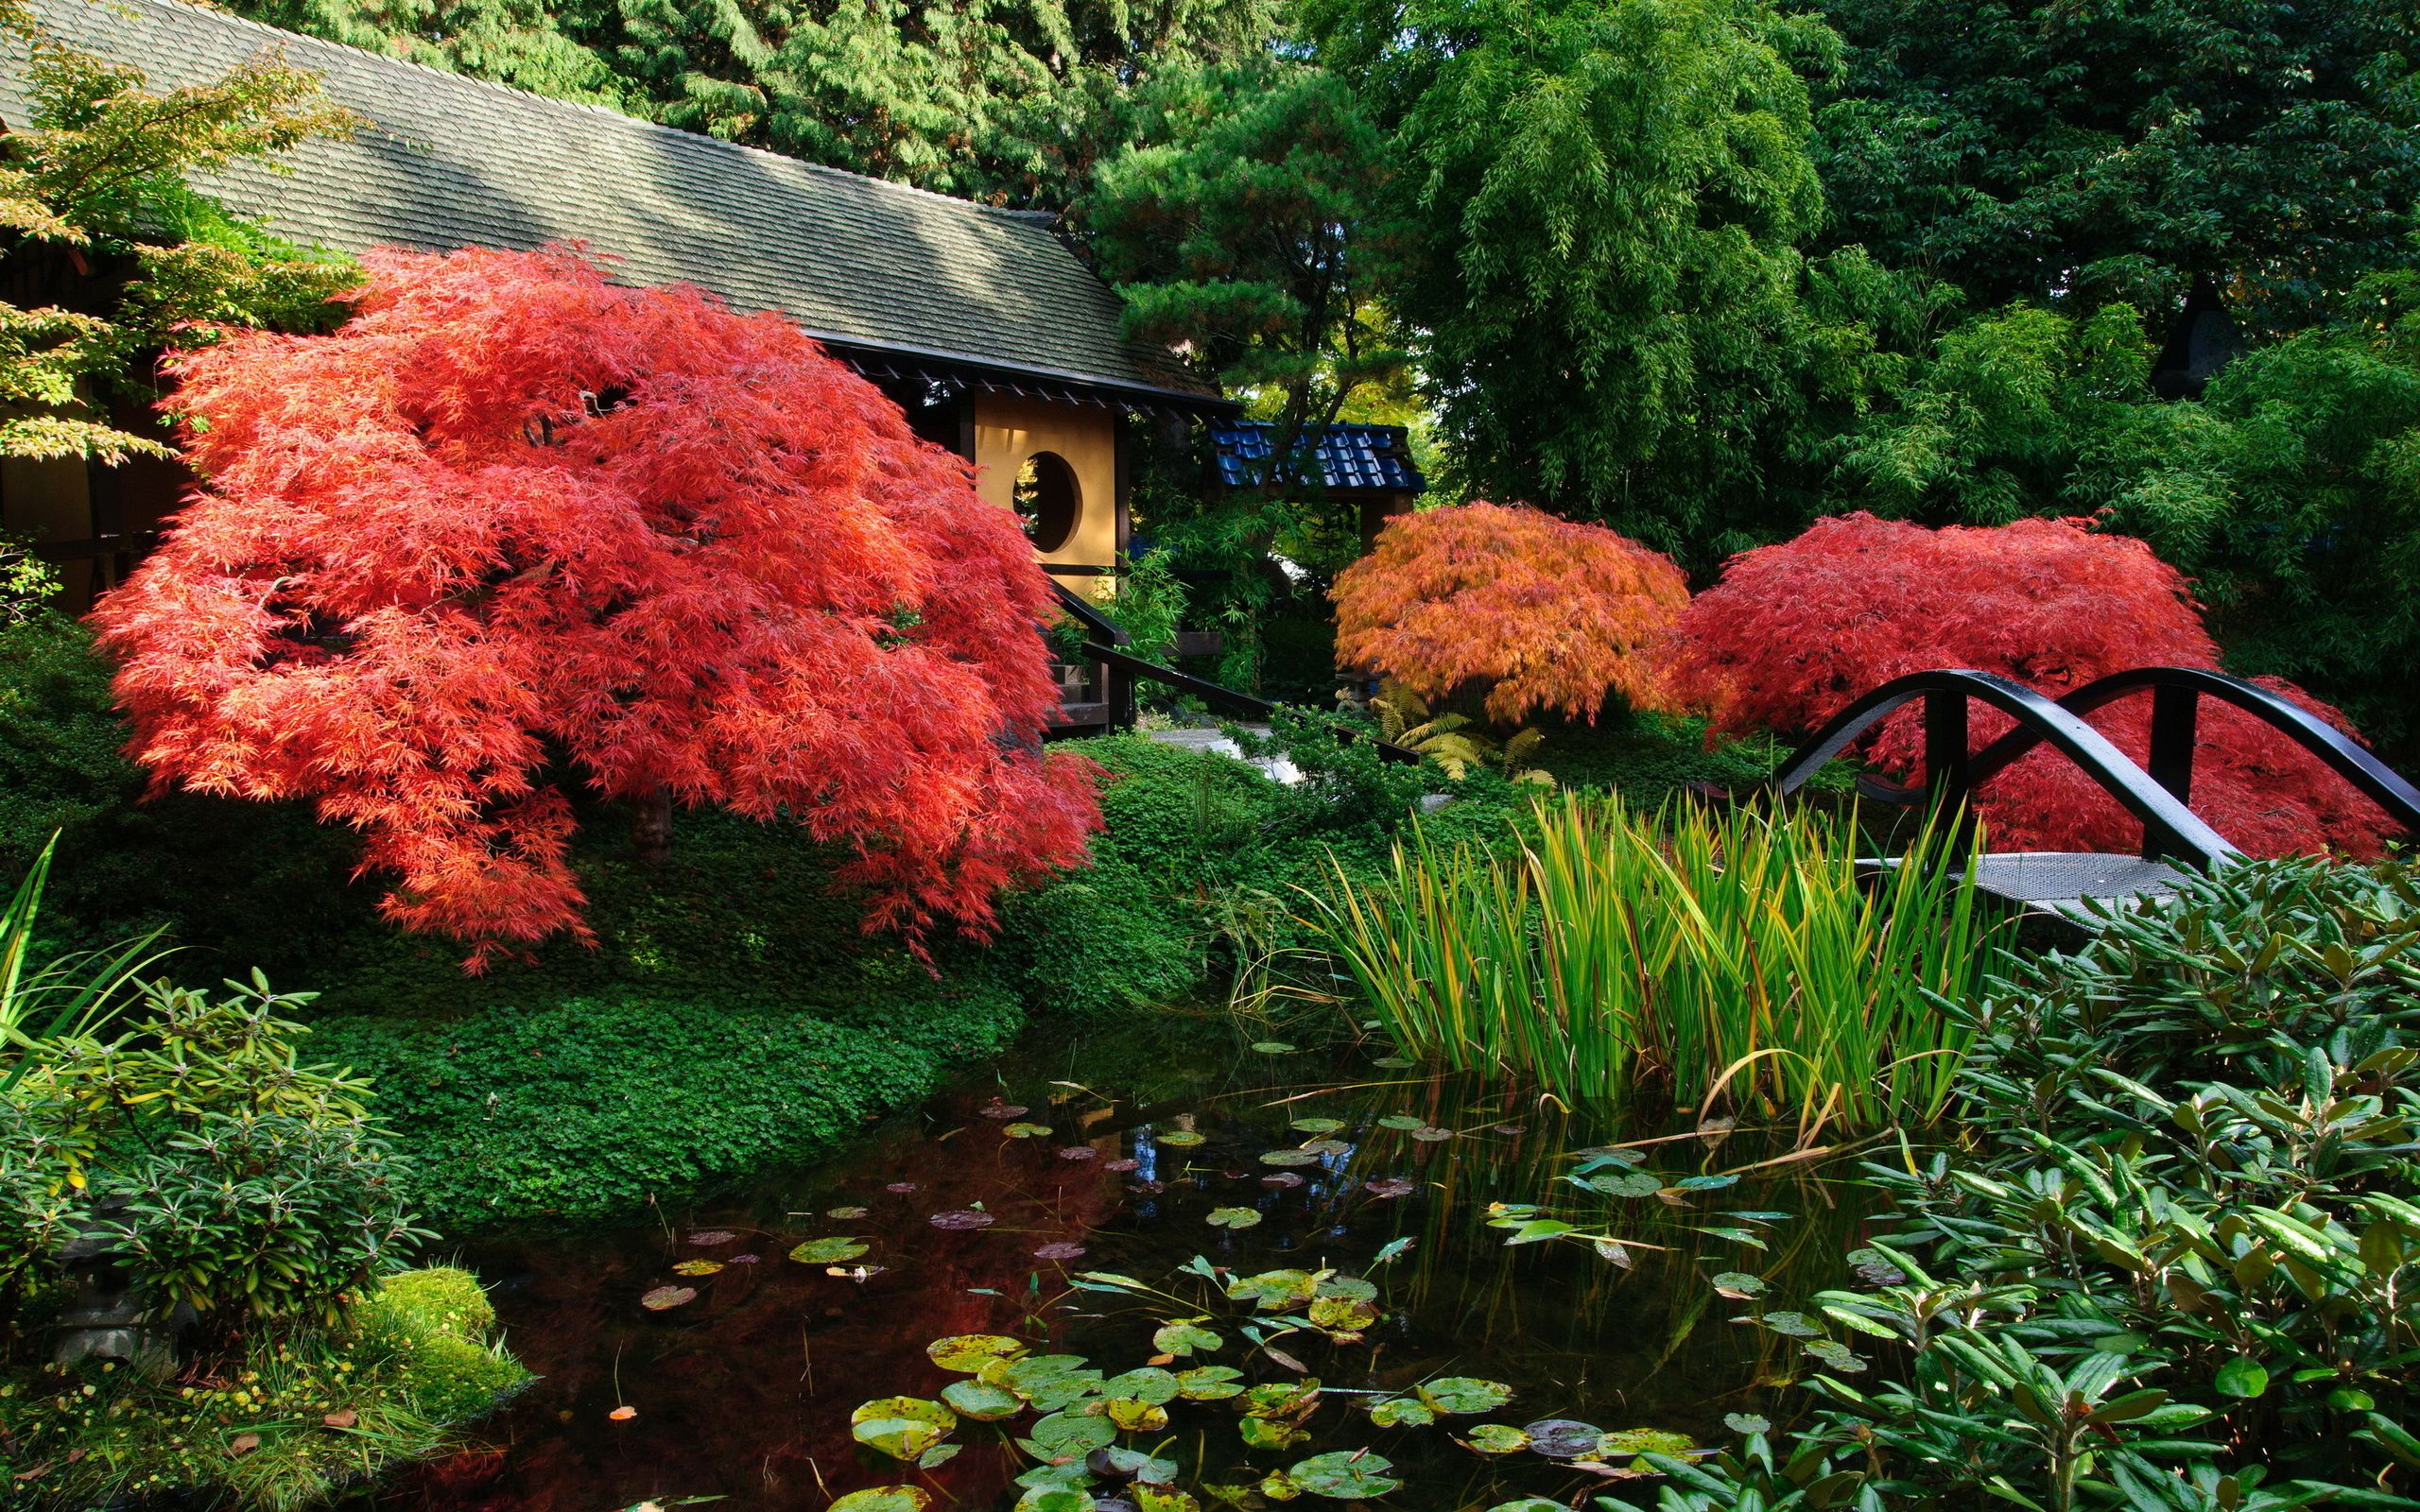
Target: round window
[{"x": 1048, "y": 500}]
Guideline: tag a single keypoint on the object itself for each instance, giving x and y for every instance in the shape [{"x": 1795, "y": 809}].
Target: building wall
[{"x": 1008, "y": 430}]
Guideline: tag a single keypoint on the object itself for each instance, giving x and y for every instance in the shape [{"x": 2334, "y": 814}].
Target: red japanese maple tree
[
  {"x": 1512, "y": 603},
  {"x": 1794, "y": 633},
  {"x": 513, "y": 515}
]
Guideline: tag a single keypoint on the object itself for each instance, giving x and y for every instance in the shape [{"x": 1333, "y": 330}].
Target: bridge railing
[
  {"x": 2170, "y": 828},
  {"x": 2158, "y": 793}
]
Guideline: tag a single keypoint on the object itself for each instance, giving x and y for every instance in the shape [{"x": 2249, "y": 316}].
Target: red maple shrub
[
  {"x": 1793, "y": 633},
  {"x": 511, "y": 516},
  {"x": 1510, "y": 603}
]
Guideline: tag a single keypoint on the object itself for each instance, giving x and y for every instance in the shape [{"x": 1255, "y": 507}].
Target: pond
[{"x": 720, "y": 1352}]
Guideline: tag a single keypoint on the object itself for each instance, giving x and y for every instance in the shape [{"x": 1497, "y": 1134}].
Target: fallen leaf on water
[
  {"x": 1059, "y": 1249},
  {"x": 708, "y": 1238},
  {"x": 623, "y": 1414},
  {"x": 1388, "y": 1186},
  {"x": 963, "y": 1219},
  {"x": 667, "y": 1296}
]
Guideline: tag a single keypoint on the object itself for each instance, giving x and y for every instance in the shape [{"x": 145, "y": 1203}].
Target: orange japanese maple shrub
[
  {"x": 512, "y": 514},
  {"x": 1795, "y": 632},
  {"x": 1510, "y": 603}
]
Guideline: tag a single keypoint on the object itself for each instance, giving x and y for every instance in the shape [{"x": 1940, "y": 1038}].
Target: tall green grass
[{"x": 1734, "y": 958}]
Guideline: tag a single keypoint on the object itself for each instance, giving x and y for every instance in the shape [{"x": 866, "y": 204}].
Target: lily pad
[
  {"x": 1431, "y": 1134},
  {"x": 1066, "y": 1434},
  {"x": 1036, "y": 1370},
  {"x": 1282, "y": 1179},
  {"x": 1792, "y": 1325},
  {"x": 1185, "y": 1338},
  {"x": 1563, "y": 1437},
  {"x": 1344, "y": 1317},
  {"x": 1346, "y": 1475},
  {"x": 1623, "y": 1183},
  {"x": 1160, "y": 1499},
  {"x": 1465, "y": 1394},
  {"x": 1273, "y": 1047},
  {"x": 963, "y": 1219},
  {"x": 883, "y": 1498},
  {"x": 1402, "y": 1122},
  {"x": 1079, "y": 1152},
  {"x": 845, "y": 1214},
  {"x": 1876, "y": 1267},
  {"x": 662, "y": 1297},
  {"x": 1180, "y": 1138},
  {"x": 1003, "y": 1111},
  {"x": 1746, "y": 1422},
  {"x": 1497, "y": 1439},
  {"x": 697, "y": 1267},
  {"x": 1402, "y": 1412},
  {"x": 1274, "y": 1291},
  {"x": 1706, "y": 1184},
  {"x": 828, "y": 1251},
  {"x": 1026, "y": 1131},
  {"x": 1627, "y": 1443},
  {"x": 969, "y": 1353},
  {"x": 1351, "y": 1288},
  {"x": 1389, "y": 1186},
  {"x": 1056, "y": 1498},
  {"x": 1529, "y": 1503},
  {"x": 1392, "y": 1062},
  {"x": 1290, "y": 1158},
  {"x": 901, "y": 1427},
  {"x": 902, "y": 1188},
  {"x": 1150, "y": 1383},
  {"x": 1121, "y": 1163},
  {"x": 1840, "y": 1356},
  {"x": 1135, "y": 1417},
  {"x": 710, "y": 1238},
  {"x": 1209, "y": 1383},
  {"x": 1233, "y": 1217},
  {"x": 1269, "y": 1433},
  {"x": 1059, "y": 1249},
  {"x": 1118, "y": 1462},
  {"x": 1317, "y": 1126},
  {"x": 1327, "y": 1146},
  {"x": 981, "y": 1400},
  {"x": 1739, "y": 1285},
  {"x": 937, "y": 1456}
]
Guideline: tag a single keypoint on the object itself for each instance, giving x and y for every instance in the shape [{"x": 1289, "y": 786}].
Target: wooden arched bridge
[{"x": 2159, "y": 793}]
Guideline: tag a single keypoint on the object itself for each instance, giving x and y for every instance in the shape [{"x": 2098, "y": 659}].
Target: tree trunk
[{"x": 652, "y": 827}]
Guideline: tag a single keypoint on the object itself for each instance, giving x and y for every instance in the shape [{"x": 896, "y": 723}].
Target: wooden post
[
  {"x": 2175, "y": 720},
  {"x": 1946, "y": 759}
]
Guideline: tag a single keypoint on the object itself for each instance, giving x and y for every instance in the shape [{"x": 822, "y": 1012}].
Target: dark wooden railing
[
  {"x": 2158, "y": 793},
  {"x": 1113, "y": 649}
]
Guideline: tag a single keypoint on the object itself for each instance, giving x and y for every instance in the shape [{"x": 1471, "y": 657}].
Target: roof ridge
[{"x": 281, "y": 36}]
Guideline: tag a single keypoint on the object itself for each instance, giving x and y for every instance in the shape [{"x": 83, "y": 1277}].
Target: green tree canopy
[
  {"x": 1597, "y": 209},
  {"x": 2112, "y": 149},
  {"x": 116, "y": 255}
]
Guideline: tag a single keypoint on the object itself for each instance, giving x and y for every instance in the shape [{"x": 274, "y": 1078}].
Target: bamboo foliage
[{"x": 1735, "y": 959}]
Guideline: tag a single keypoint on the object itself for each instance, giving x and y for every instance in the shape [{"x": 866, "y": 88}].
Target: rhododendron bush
[
  {"x": 1795, "y": 632},
  {"x": 1533, "y": 611},
  {"x": 512, "y": 519}
]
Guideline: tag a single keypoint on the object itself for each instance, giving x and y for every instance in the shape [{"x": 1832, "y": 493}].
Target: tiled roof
[
  {"x": 1350, "y": 456},
  {"x": 448, "y": 162}
]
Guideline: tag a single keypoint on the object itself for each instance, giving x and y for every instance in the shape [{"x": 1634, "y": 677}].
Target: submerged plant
[{"x": 1731, "y": 958}]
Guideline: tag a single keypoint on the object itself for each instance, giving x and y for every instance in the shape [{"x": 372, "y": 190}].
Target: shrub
[
  {"x": 511, "y": 513},
  {"x": 1794, "y": 633},
  {"x": 2173, "y": 1267},
  {"x": 59, "y": 740},
  {"x": 417, "y": 1363},
  {"x": 1732, "y": 956},
  {"x": 1510, "y": 605},
  {"x": 590, "y": 1107},
  {"x": 224, "y": 1175}
]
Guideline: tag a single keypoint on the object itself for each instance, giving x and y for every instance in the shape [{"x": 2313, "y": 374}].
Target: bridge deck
[{"x": 2059, "y": 882}]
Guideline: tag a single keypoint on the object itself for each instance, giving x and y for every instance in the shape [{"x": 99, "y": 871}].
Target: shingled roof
[{"x": 448, "y": 162}]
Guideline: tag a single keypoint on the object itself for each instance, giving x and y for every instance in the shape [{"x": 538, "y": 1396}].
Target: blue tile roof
[{"x": 1375, "y": 458}]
